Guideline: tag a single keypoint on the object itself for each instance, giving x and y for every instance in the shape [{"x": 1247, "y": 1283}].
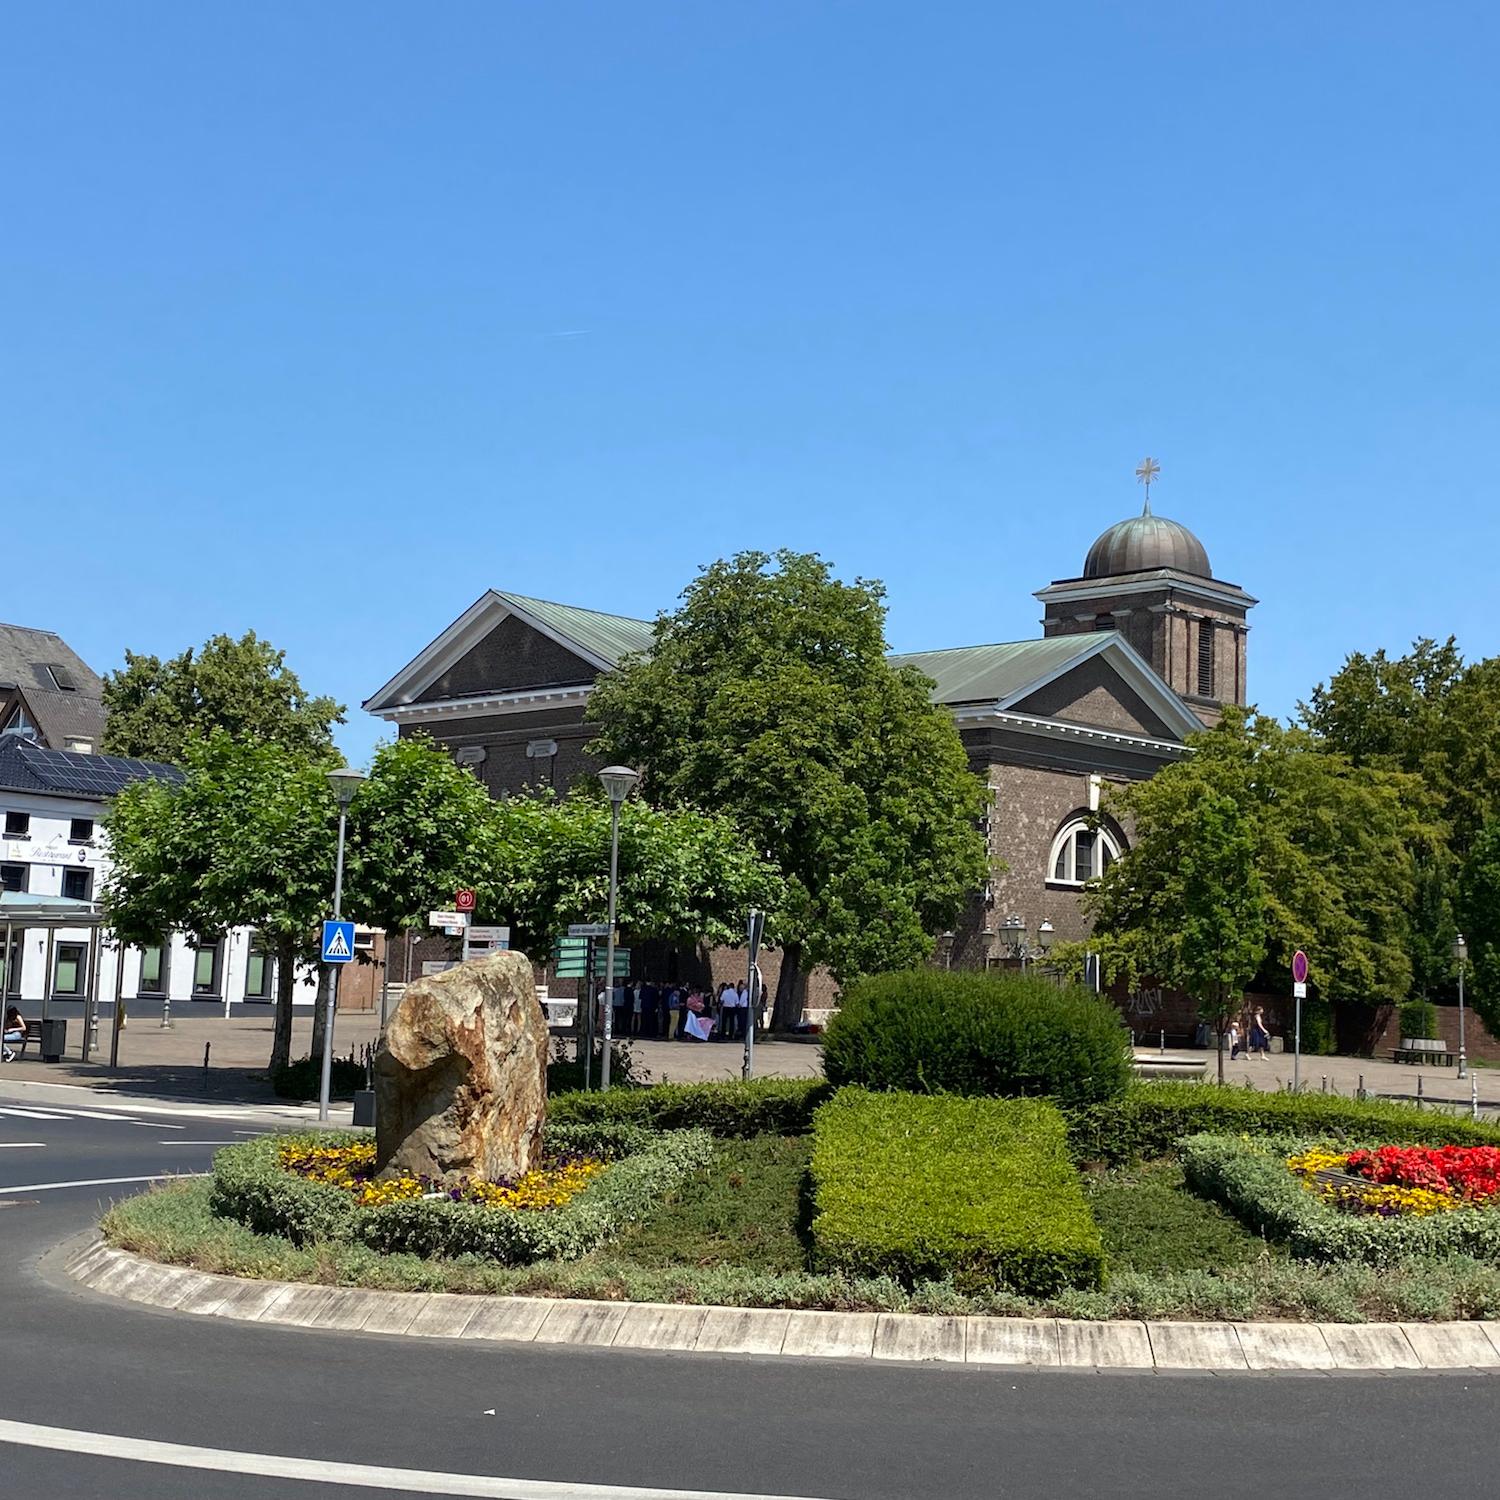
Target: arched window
[{"x": 1080, "y": 853}]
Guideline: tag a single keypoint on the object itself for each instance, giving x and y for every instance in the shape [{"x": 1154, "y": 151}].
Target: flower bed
[
  {"x": 1350, "y": 1214},
  {"x": 316, "y": 1189},
  {"x": 1394, "y": 1180},
  {"x": 560, "y": 1177}
]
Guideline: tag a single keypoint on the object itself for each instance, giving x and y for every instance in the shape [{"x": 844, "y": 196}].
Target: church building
[{"x": 1140, "y": 650}]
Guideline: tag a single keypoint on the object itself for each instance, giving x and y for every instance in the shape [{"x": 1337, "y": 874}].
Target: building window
[
  {"x": 17, "y": 825},
  {"x": 1081, "y": 853},
  {"x": 78, "y": 885},
  {"x": 206, "y": 971},
  {"x": 81, "y": 831},
  {"x": 1104, "y": 622},
  {"x": 258, "y": 970},
  {"x": 62, "y": 679},
  {"x": 67, "y": 972},
  {"x": 20, "y": 723},
  {"x": 1205, "y": 658},
  {"x": 13, "y": 877},
  {"x": 153, "y": 979}
]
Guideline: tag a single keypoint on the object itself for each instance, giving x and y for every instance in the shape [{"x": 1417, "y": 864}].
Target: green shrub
[
  {"x": 934, "y": 1031},
  {"x": 761, "y": 1106},
  {"x": 1252, "y": 1181},
  {"x": 922, "y": 1187},
  {"x": 1319, "y": 1038},
  {"x": 251, "y": 1187},
  {"x": 1150, "y": 1118},
  {"x": 1419, "y": 1020},
  {"x": 303, "y": 1079}
]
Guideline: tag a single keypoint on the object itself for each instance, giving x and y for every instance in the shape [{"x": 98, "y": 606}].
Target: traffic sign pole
[
  {"x": 1299, "y": 990},
  {"x": 333, "y": 988}
]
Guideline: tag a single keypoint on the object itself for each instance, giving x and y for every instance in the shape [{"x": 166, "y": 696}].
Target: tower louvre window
[{"x": 1205, "y": 659}]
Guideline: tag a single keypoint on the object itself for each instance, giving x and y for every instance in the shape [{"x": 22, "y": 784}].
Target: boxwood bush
[
  {"x": 1252, "y": 1181},
  {"x": 1148, "y": 1120},
  {"x": 934, "y": 1031},
  {"x": 925, "y": 1187},
  {"x": 251, "y": 1186},
  {"x": 760, "y": 1106}
]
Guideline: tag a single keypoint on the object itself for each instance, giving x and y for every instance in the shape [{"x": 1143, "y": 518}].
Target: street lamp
[
  {"x": 345, "y": 781},
  {"x": 617, "y": 782},
  {"x": 1044, "y": 937},
  {"x": 1460, "y": 957}
]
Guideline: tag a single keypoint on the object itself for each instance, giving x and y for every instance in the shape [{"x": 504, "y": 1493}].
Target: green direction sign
[{"x": 571, "y": 957}]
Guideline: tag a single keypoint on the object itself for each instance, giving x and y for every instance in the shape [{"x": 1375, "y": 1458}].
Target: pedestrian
[
  {"x": 728, "y": 1001},
  {"x": 650, "y": 1004},
  {"x": 1232, "y": 1036},
  {"x": 742, "y": 1009},
  {"x": 621, "y": 1001},
  {"x": 671, "y": 1008},
  {"x": 15, "y": 1031},
  {"x": 1260, "y": 1038},
  {"x": 635, "y": 1008}
]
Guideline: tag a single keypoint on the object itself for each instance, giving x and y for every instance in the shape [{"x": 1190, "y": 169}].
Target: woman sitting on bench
[{"x": 15, "y": 1031}]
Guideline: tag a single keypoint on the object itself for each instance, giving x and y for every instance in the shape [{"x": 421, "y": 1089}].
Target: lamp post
[
  {"x": 1460, "y": 957},
  {"x": 345, "y": 782},
  {"x": 1013, "y": 935},
  {"x": 617, "y": 782},
  {"x": 1044, "y": 937}
]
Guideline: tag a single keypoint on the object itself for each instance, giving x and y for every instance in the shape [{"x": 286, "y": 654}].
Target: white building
[{"x": 52, "y": 805}]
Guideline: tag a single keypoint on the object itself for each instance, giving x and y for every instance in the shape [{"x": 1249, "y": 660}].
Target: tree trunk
[
  {"x": 1221, "y": 1051},
  {"x": 791, "y": 990},
  {"x": 286, "y": 982},
  {"x": 320, "y": 1009}
]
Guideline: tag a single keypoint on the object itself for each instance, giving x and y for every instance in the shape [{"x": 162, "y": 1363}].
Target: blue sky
[{"x": 321, "y": 319}]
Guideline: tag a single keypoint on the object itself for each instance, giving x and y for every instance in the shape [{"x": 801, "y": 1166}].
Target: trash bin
[
  {"x": 364, "y": 1106},
  {"x": 54, "y": 1040}
]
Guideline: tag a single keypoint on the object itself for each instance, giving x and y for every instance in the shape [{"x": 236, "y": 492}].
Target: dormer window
[{"x": 62, "y": 679}]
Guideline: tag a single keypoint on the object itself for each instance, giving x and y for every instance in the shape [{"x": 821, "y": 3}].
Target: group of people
[
  {"x": 1253, "y": 1038},
  {"x": 675, "y": 1012}
]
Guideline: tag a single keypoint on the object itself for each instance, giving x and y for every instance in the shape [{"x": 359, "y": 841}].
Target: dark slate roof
[
  {"x": 63, "y": 694},
  {"x": 25, "y": 767}
]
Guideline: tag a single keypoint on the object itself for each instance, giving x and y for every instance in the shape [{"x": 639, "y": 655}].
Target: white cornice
[
  {"x": 977, "y": 715},
  {"x": 522, "y": 701},
  {"x": 1067, "y": 590}
]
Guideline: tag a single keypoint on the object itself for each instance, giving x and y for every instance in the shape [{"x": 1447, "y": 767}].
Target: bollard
[
  {"x": 1163, "y": 1048},
  {"x": 1419, "y": 1091},
  {"x": 206, "y": 1047},
  {"x": 1473, "y": 1094},
  {"x": 1361, "y": 1095}
]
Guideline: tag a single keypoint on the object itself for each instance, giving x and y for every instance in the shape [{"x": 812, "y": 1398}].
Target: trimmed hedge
[
  {"x": 1419, "y": 1020},
  {"x": 1254, "y": 1184},
  {"x": 251, "y": 1186},
  {"x": 1150, "y": 1118},
  {"x": 303, "y": 1079},
  {"x": 931, "y": 1031},
  {"x": 925, "y": 1187},
  {"x": 761, "y": 1106}
]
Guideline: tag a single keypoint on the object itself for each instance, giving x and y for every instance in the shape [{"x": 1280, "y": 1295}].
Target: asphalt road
[{"x": 725, "y": 1426}]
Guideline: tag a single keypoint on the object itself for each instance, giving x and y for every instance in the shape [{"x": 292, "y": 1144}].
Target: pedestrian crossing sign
[{"x": 338, "y": 942}]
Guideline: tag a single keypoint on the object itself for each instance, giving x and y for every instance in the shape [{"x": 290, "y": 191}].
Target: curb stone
[{"x": 912, "y": 1338}]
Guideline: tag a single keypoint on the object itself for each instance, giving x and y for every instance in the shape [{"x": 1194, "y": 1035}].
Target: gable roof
[
  {"x": 62, "y": 693},
  {"x": 999, "y": 675},
  {"x": 25, "y": 767},
  {"x": 597, "y": 638}
]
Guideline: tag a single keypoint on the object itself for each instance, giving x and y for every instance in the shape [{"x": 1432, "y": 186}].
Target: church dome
[{"x": 1145, "y": 542}]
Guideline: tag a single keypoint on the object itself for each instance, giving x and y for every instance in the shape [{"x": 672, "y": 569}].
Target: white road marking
[
  {"x": 323, "y": 1471},
  {"x": 47, "y": 1187},
  {"x": 16, "y": 1145},
  {"x": 156, "y": 1124},
  {"x": 96, "y": 1114},
  {"x": 32, "y": 1114}
]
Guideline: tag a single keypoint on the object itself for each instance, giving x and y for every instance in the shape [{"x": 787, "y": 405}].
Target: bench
[
  {"x": 1421, "y": 1055},
  {"x": 33, "y": 1034}
]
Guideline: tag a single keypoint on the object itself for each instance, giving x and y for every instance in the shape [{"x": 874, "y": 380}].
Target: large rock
[{"x": 461, "y": 1076}]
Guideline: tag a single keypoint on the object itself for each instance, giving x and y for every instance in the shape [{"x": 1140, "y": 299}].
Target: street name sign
[
  {"x": 588, "y": 929},
  {"x": 338, "y": 942},
  {"x": 447, "y": 919}
]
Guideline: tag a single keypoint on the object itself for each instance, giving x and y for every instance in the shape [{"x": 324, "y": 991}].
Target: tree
[
  {"x": 1479, "y": 911},
  {"x": 684, "y": 876},
  {"x": 158, "y": 709},
  {"x": 1186, "y": 905},
  {"x": 767, "y": 696},
  {"x": 1334, "y": 860},
  {"x": 247, "y": 839}
]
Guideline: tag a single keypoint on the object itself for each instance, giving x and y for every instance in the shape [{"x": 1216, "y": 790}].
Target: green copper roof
[
  {"x": 986, "y": 674},
  {"x": 607, "y": 636}
]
